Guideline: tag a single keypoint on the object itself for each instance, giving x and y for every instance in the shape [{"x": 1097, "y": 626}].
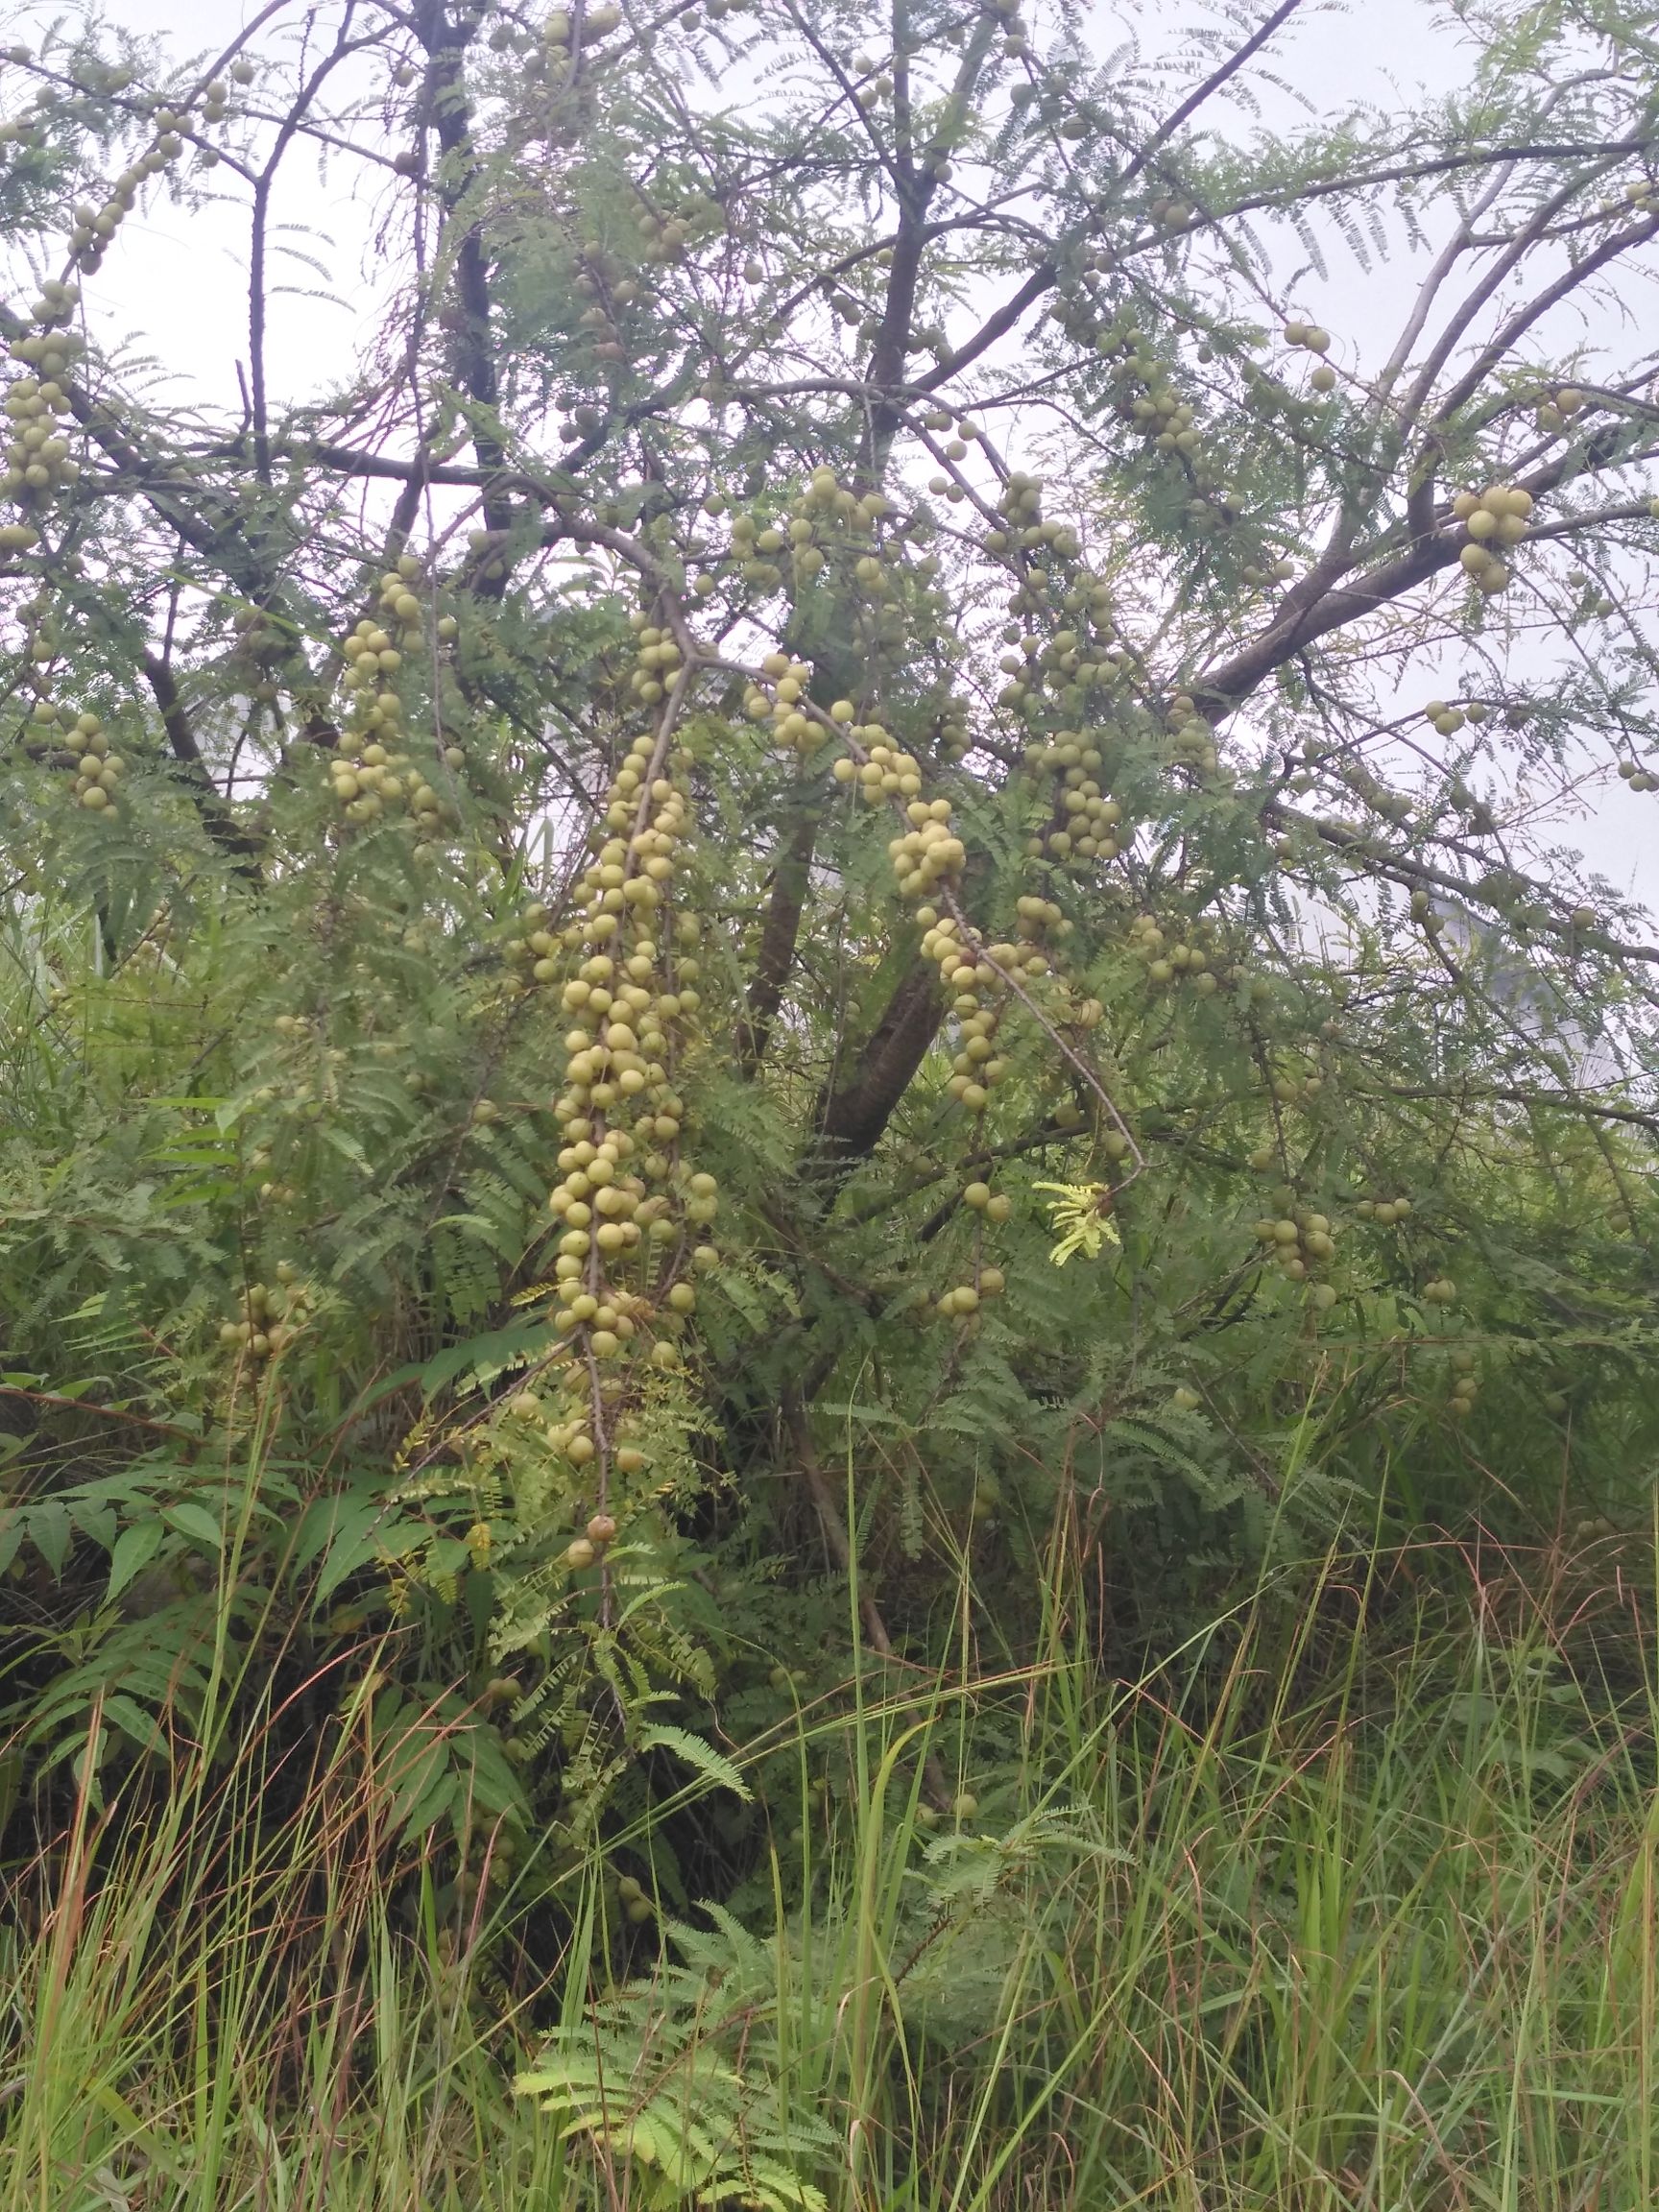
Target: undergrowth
[{"x": 1350, "y": 1904}]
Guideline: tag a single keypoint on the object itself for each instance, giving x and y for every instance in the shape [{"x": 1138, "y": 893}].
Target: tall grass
[{"x": 1316, "y": 1917}]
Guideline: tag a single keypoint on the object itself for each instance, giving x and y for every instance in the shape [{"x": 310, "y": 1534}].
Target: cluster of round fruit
[
  {"x": 50, "y": 347},
  {"x": 1168, "y": 422},
  {"x": 929, "y": 852},
  {"x": 986, "y": 1206},
  {"x": 619, "y": 1046},
  {"x": 625, "y": 1201},
  {"x": 827, "y": 518},
  {"x": 1310, "y": 338},
  {"x": 876, "y": 81},
  {"x": 1066, "y": 665},
  {"x": 1464, "y": 1384},
  {"x": 656, "y": 662},
  {"x": 1298, "y": 1089},
  {"x": 1440, "y": 1291},
  {"x": 960, "y": 432},
  {"x": 271, "y": 1316},
  {"x": 604, "y": 289},
  {"x": 93, "y": 226},
  {"x": 1191, "y": 741},
  {"x": 665, "y": 237},
  {"x": 374, "y": 780},
  {"x": 1020, "y": 502},
  {"x": 37, "y": 459},
  {"x": 377, "y": 776},
  {"x": 1275, "y": 573},
  {"x": 584, "y": 1551},
  {"x": 972, "y": 970},
  {"x": 1384, "y": 1211},
  {"x": 598, "y": 22},
  {"x": 534, "y": 942},
  {"x": 1496, "y": 518},
  {"x": 375, "y": 651},
  {"x": 1638, "y": 778},
  {"x": 97, "y": 772},
  {"x": 97, "y": 780},
  {"x": 1015, "y": 45},
  {"x": 1299, "y": 1242},
  {"x": 1356, "y": 777},
  {"x": 1085, "y": 823},
  {"x": 1448, "y": 718},
  {"x": 636, "y": 1907},
  {"x": 951, "y": 738},
  {"x": 1426, "y": 914},
  {"x": 883, "y": 771},
  {"x": 1145, "y": 398},
  {"x": 1171, "y": 962},
  {"x": 1555, "y": 413},
  {"x": 626, "y": 994},
  {"x": 792, "y": 727}
]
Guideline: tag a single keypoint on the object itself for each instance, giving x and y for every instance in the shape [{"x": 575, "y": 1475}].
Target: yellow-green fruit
[{"x": 580, "y": 1553}]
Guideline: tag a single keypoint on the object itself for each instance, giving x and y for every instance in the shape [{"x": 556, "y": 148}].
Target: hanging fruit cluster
[
  {"x": 1068, "y": 664},
  {"x": 1448, "y": 718},
  {"x": 1310, "y": 338},
  {"x": 792, "y": 729},
  {"x": 1300, "y": 1243},
  {"x": 1555, "y": 413},
  {"x": 372, "y": 773},
  {"x": 96, "y": 783},
  {"x": 1384, "y": 1211},
  {"x": 633, "y": 1216},
  {"x": 928, "y": 858},
  {"x": 827, "y": 522},
  {"x": 95, "y": 227},
  {"x": 1464, "y": 1384},
  {"x": 1192, "y": 741},
  {"x": 271, "y": 1316},
  {"x": 1147, "y": 399},
  {"x": 38, "y": 465},
  {"x": 1171, "y": 960},
  {"x": 1496, "y": 521},
  {"x": 1021, "y": 502}
]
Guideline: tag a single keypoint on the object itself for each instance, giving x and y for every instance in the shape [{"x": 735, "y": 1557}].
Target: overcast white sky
[{"x": 173, "y": 283}]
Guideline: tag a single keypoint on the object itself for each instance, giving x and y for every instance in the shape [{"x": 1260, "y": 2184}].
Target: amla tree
[{"x": 807, "y": 826}]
